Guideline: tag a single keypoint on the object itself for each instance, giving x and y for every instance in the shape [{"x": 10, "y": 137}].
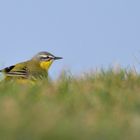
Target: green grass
[{"x": 100, "y": 106}]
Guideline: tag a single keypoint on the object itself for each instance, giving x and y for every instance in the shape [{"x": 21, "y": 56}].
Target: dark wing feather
[
  {"x": 15, "y": 71},
  {"x": 7, "y": 69}
]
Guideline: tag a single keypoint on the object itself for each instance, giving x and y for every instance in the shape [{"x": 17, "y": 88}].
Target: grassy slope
[{"x": 103, "y": 106}]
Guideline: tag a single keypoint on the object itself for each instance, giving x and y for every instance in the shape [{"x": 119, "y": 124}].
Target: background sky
[{"x": 86, "y": 33}]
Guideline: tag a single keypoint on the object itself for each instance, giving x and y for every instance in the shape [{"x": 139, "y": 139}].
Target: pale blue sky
[{"x": 87, "y": 33}]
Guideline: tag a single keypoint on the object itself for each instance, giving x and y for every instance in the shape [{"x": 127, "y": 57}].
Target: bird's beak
[{"x": 56, "y": 58}]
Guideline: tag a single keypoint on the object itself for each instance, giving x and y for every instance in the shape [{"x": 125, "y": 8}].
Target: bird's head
[{"x": 45, "y": 59}]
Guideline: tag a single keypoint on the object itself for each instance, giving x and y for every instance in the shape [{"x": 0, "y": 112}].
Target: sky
[{"x": 88, "y": 34}]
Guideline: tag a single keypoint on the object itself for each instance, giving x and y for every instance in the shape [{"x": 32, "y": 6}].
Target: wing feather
[{"x": 18, "y": 70}]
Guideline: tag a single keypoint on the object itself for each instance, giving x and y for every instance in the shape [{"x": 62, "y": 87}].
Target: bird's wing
[{"x": 18, "y": 70}]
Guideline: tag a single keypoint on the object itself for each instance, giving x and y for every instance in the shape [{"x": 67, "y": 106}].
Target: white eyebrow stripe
[{"x": 43, "y": 55}]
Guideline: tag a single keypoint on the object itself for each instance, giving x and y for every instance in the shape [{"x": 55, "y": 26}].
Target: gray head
[{"x": 45, "y": 56}]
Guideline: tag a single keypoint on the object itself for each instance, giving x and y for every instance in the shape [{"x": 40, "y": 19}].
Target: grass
[{"x": 103, "y": 105}]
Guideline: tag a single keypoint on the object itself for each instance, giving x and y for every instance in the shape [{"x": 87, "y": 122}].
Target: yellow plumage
[{"x": 46, "y": 65}]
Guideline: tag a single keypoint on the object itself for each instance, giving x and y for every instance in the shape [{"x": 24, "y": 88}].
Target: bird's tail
[
  {"x": 1, "y": 70},
  {"x": 2, "y": 76}
]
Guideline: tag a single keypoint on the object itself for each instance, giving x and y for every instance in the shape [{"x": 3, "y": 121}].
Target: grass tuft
[{"x": 102, "y": 105}]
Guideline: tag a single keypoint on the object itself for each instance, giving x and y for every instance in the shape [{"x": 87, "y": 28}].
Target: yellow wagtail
[{"x": 33, "y": 69}]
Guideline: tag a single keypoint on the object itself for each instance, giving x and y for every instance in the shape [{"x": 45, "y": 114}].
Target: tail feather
[
  {"x": 1, "y": 70},
  {"x": 2, "y": 76}
]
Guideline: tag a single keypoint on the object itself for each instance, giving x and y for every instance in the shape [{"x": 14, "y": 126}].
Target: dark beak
[{"x": 56, "y": 58}]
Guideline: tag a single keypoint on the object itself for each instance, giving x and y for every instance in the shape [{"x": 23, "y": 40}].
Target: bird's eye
[{"x": 45, "y": 58}]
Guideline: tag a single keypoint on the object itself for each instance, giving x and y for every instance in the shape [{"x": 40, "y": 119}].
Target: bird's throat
[{"x": 46, "y": 64}]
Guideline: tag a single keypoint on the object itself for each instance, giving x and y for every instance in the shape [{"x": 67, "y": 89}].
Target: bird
[{"x": 34, "y": 69}]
